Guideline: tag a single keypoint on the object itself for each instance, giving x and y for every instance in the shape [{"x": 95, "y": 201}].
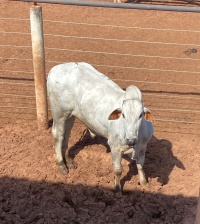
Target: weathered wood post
[{"x": 36, "y": 23}]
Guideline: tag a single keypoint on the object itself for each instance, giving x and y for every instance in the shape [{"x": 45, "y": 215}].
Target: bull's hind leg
[
  {"x": 68, "y": 126},
  {"x": 61, "y": 131},
  {"x": 58, "y": 131}
]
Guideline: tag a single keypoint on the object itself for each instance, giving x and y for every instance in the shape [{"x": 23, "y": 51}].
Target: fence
[{"x": 158, "y": 59}]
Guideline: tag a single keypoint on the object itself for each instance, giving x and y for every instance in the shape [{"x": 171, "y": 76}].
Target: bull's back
[
  {"x": 79, "y": 78},
  {"x": 84, "y": 92}
]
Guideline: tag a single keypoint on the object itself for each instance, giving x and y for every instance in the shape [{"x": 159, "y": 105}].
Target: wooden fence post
[{"x": 36, "y": 23}]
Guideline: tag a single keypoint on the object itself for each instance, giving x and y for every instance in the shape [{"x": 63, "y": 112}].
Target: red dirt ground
[{"x": 31, "y": 188}]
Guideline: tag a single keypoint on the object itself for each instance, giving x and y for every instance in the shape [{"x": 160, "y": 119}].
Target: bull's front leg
[
  {"x": 140, "y": 164},
  {"x": 117, "y": 157}
]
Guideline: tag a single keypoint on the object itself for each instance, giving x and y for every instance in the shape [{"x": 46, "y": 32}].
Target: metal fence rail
[{"x": 121, "y": 5}]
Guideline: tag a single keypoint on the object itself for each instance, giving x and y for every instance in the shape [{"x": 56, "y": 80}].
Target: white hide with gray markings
[{"x": 79, "y": 90}]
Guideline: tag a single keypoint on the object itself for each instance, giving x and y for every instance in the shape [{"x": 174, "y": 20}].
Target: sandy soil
[
  {"x": 33, "y": 191},
  {"x": 31, "y": 188}
]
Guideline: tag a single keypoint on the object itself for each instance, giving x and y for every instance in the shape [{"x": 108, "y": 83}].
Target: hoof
[
  {"x": 72, "y": 165},
  {"x": 145, "y": 185},
  {"x": 63, "y": 169},
  {"x": 117, "y": 189}
]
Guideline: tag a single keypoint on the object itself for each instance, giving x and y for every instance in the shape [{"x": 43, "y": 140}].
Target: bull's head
[{"x": 132, "y": 113}]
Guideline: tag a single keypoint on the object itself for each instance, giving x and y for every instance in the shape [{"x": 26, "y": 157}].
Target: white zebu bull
[{"x": 79, "y": 90}]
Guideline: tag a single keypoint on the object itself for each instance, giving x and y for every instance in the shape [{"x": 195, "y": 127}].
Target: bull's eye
[
  {"x": 141, "y": 115},
  {"x": 123, "y": 115}
]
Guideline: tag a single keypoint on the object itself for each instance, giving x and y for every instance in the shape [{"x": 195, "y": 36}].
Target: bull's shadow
[
  {"x": 159, "y": 162},
  {"x": 159, "y": 159},
  {"x": 87, "y": 140}
]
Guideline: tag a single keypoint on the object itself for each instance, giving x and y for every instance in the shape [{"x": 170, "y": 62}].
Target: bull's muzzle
[{"x": 131, "y": 141}]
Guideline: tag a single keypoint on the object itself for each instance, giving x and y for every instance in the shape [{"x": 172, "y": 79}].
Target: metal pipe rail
[{"x": 117, "y": 5}]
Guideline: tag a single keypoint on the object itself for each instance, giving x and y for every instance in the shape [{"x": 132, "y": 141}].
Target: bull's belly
[{"x": 96, "y": 127}]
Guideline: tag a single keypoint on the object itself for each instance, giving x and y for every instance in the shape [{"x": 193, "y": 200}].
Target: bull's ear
[
  {"x": 148, "y": 116},
  {"x": 115, "y": 114}
]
